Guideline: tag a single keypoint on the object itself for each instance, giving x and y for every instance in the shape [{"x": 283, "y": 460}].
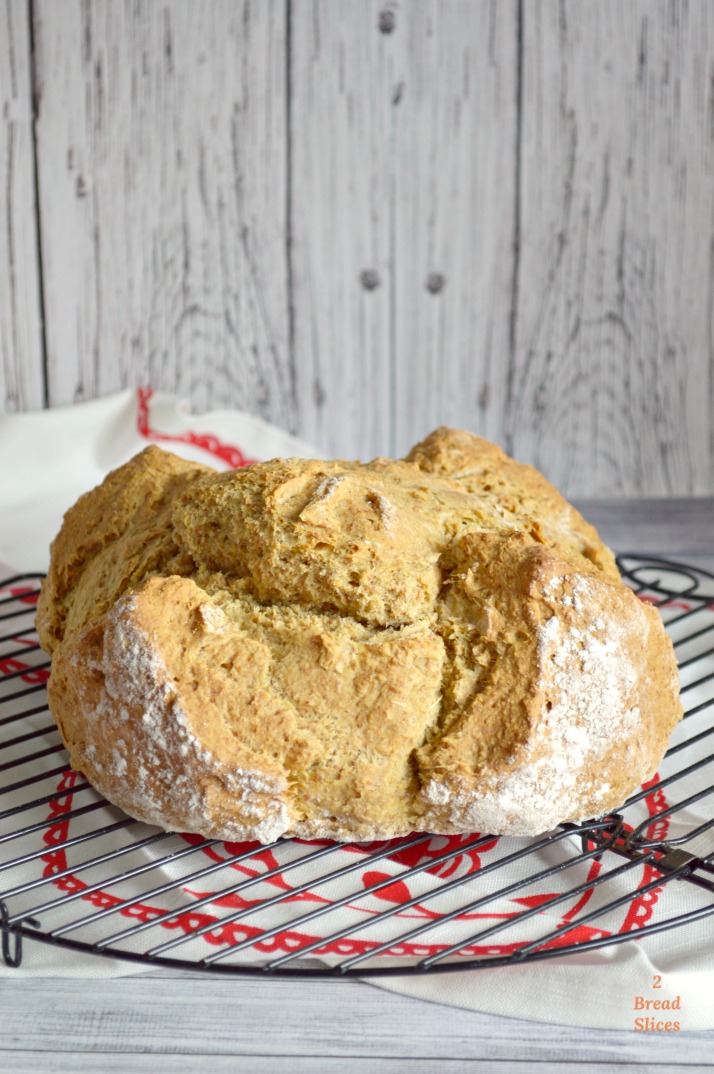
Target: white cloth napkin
[{"x": 49, "y": 458}]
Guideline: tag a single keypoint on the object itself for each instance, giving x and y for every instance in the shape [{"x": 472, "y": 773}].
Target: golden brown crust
[
  {"x": 115, "y": 535},
  {"x": 338, "y": 650},
  {"x": 519, "y": 493}
]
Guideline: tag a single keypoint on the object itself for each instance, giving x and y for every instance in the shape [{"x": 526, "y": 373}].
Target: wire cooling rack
[{"x": 78, "y": 873}]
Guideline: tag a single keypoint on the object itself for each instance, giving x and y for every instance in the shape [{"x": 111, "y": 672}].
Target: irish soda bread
[{"x": 349, "y": 651}]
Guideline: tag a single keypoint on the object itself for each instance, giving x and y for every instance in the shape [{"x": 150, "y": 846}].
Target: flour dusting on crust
[
  {"x": 587, "y": 682},
  {"x": 136, "y": 677}
]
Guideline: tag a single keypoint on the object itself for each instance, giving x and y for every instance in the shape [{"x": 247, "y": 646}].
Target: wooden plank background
[
  {"x": 21, "y": 366},
  {"x": 360, "y": 220}
]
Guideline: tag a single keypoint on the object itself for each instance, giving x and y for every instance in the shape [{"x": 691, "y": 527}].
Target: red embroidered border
[{"x": 206, "y": 441}]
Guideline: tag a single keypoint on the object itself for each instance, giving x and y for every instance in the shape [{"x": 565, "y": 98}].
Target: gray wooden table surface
[{"x": 166, "y": 1021}]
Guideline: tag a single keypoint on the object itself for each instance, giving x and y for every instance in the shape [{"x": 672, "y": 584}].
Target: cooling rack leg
[
  {"x": 606, "y": 837},
  {"x": 11, "y": 951}
]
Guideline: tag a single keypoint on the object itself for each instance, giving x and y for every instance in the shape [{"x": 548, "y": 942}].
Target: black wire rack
[{"x": 78, "y": 873}]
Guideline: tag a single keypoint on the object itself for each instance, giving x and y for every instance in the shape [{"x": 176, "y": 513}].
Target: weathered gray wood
[
  {"x": 403, "y": 128},
  {"x": 122, "y": 1063},
  {"x": 78, "y": 1062},
  {"x": 343, "y": 77},
  {"x": 21, "y": 382},
  {"x": 675, "y": 527},
  {"x": 201, "y": 1015},
  {"x": 610, "y": 384},
  {"x": 162, "y": 166},
  {"x": 356, "y": 280},
  {"x": 453, "y": 202}
]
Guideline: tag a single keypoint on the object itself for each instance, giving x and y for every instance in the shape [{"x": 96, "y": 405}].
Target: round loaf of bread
[{"x": 351, "y": 651}]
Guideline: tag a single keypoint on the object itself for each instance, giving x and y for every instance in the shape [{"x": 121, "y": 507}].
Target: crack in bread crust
[{"x": 338, "y": 650}]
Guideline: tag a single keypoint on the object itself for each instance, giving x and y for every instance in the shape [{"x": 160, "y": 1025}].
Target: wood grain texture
[
  {"x": 343, "y": 76},
  {"x": 403, "y": 134},
  {"x": 360, "y": 220},
  {"x": 682, "y": 527},
  {"x": 454, "y": 208},
  {"x": 21, "y": 375},
  {"x": 25, "y": 1062},
  {"x": 610, "y": 387},
  {"x": 199, "y": 1015},
  {"x": 162, "y": 164}
]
